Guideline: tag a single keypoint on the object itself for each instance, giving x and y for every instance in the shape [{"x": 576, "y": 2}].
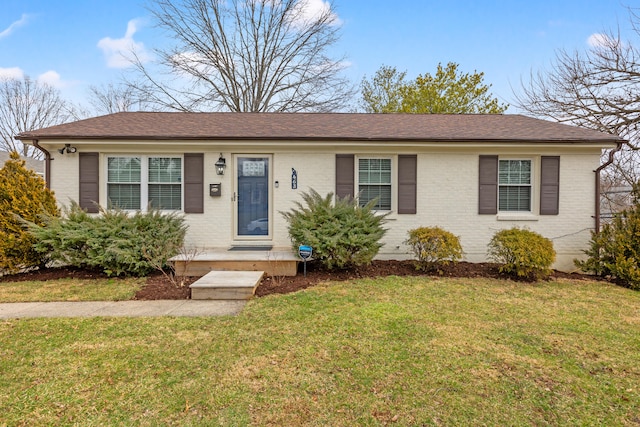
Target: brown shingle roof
[{"x": 320, "y": 126}]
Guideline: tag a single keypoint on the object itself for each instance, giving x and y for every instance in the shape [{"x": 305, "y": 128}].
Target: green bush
[
  {"x": 523, "y": 253},
  {"x": 615, "y": 251},
  {"x": 23, "y": 197},
  {"x": 433, "y": 246},
  {"x": 116, "y": 242},
  {"x": 342, "y": 234}
]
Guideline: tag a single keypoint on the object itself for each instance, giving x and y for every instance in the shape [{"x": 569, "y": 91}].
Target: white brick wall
[{"x": 447, "y": 192}]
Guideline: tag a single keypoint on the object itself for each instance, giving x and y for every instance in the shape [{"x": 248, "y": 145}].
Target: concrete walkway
[{"x": 176, "y": 308}]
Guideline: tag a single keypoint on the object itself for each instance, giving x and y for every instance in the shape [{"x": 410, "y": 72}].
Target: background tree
[
  {"x": 596, "y": 89},
  {"x": 447, "y": 92},
  {"x": 245, "y": 56},
  {"x": 23, "y": 195},
  {"x": 27, "y": 105},
  {"x": 383, "y": 93},
  {"x": 116, "y": 98}
]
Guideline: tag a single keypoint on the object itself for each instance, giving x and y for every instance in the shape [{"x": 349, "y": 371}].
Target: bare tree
[
  {"x": 27, "y": 105},
  {"x": 597, "y": 89},
  {"x": 115, "y": 98},
  {"x": 245, "y": 56}
]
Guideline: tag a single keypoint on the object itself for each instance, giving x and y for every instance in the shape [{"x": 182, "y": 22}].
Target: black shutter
[
  {"x": 194, "y": 183},
  {"x": 345, "y": 175},
  {"x": 488, "y": 186},
  {"x": 407, "y": 183},
  {"x": 89, "y": 195},
  {"x": 549, "y": 185}
]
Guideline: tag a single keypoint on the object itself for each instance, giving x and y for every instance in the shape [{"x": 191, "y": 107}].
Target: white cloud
[
  {"x": 308, "y": 10},
  {"x": 11, "y": 73},
  {"x": 52, "y": 79},
  {"x": 20, "y": 22},
  {"x": 118, "y": 52},
  {"x": 598, "y": 40}
]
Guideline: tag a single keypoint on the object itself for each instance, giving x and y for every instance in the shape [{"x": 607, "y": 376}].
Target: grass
[
  {"x": 407, "y": 351},
  {"x": 71, "y": 290}
]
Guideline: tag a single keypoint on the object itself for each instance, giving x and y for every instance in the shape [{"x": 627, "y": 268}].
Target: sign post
[{"x": 305, "y": 253}]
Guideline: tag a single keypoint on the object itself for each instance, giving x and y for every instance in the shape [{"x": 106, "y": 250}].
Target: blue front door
[{"x": 253, "y": 216}]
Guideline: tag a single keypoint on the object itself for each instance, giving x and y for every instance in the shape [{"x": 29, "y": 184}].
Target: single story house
[{"x": 232, "y": 174}]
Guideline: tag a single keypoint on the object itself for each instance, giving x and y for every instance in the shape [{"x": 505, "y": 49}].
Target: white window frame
[
  {"x": 392, "y": 180},
  {"x": 144, "y": 178},
  {"x": 531, "y": 185}
]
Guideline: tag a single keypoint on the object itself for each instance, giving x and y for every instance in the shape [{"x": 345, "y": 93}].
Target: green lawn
[
  {"x": 71, "y": 290},
  {"x": 407, "y": 351}
]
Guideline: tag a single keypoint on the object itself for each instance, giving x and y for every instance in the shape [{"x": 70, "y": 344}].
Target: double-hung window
[
  {"x": 124, "y": 178},
  {"x": 374, "y": 181},
  {"x": 165, "y": 183},
  {"x": 514, "y": 185},
  {"x": 137, "y": 182}
]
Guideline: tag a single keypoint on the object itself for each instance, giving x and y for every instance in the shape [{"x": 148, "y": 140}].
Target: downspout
[
  {"x": 597, "y": 171},
  {"x": 47, "y": 163}
]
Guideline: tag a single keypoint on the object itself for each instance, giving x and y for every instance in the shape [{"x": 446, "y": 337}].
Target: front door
[{"x": 253, "y": 212}]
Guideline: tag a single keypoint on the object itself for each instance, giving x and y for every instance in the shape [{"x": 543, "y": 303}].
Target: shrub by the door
[{"x": 342, "y": 233}]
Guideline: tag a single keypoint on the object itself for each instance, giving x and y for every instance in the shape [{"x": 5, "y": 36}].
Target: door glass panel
[{"x": 253, "y": 196}]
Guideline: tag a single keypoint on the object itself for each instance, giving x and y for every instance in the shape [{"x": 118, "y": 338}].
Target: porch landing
[{"x": 275, "y": 262}]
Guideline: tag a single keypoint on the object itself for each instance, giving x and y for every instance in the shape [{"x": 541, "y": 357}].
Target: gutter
[
  {"x": 47, "y": 163},
  {"x": 597, "y": 172}
]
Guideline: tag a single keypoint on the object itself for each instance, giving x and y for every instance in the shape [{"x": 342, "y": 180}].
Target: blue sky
[{"x": 73, "y": 44}]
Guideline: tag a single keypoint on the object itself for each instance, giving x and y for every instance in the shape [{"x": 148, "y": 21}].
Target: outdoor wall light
[
  {"x": 221, "y": 164},
  {"x": 68, "y": 148}
]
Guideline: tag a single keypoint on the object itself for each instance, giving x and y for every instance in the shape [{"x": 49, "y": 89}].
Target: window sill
[
  {"x": 525, "y": 216},
  {"x": 391, "y": 215}
]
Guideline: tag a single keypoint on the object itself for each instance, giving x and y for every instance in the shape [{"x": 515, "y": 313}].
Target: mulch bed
[{"x": 160, "y": 287}]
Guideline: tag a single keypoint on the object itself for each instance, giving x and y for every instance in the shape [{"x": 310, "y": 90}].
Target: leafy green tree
[
  {"x": 23, "y": 197},
  {"x": 447, "y": 92},
  {"x": 383, "y": 93}
]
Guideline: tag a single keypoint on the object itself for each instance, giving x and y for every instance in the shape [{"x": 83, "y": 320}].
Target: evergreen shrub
[
  {"x": 342, "y": 233},
  {"x": 433, "y": 246},
  {"x": 615, "y": 251},
  {"x": 523, "y": 253},
  {"x": 23, "y": 198},
  {"x": 117, "y": 242}
]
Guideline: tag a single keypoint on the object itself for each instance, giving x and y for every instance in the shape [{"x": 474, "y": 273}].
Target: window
[
  {"x": 123, "y": 182},
  {"x": 514, "y": 185},
  {"x": 165, "y": 190},
  {"x": 137, "y": 182},
  {"x": 374, "y": 180}
]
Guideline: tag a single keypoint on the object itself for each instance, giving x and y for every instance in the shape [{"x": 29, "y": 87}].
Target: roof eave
[{"x": 26, "y": 136}]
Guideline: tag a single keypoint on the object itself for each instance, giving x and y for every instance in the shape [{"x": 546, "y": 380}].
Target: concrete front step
[
  {"x": 226, "y": 285},
  {"x": 273, "y": 263}
]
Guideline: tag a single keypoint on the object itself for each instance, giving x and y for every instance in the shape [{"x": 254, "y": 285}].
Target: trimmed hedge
[
  {"x": 433, "y": 246},
  {"x": 117, "y": 242},
  {"x": 523, "y": 253}
]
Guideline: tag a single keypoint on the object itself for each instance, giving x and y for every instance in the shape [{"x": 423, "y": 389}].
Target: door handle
[{"x": 233, "y": 198}]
